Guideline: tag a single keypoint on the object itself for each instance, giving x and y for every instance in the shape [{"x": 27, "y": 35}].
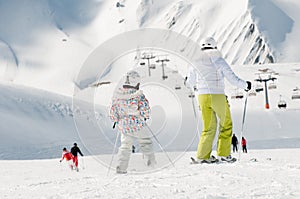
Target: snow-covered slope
[
  {"x": 39, "y": 123},
  {"x": 34, "y": 123},
  {"x": 43, "y": 45},
  {"x": 274, "y": 174}
]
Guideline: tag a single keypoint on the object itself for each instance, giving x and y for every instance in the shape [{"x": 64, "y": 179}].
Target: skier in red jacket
[
  {"x": 244, "y": 145},
  {"x": 68, "y": 156}
]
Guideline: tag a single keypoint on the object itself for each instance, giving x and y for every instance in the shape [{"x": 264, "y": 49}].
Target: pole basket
[{"x": 267, "y": 106}]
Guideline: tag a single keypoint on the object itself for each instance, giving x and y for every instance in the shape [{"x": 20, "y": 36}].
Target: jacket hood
[{"x": 123, "y": 93}]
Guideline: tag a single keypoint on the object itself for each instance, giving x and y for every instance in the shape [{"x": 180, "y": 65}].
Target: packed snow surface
[{"x": 259, "y": 174}]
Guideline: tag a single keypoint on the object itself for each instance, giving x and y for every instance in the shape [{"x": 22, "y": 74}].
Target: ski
[
  {"x": 225, "y": 160},
  {"x": 194, "y": 161},
  {"x": 212, "y": 160}
]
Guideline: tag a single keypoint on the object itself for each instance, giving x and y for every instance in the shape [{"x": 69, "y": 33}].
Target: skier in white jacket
[{"x": 207, "y": 78}]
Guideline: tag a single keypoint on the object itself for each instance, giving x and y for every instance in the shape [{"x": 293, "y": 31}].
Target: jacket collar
[{"x": 127, "y": 93}]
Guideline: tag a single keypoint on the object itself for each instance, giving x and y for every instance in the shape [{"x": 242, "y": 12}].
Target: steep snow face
[
  {"x": 242, "y": 43},
  {"x": 276, "y": 25},
  {"x": 287, "y": 50},
  {"x": 230, "y": 23}
]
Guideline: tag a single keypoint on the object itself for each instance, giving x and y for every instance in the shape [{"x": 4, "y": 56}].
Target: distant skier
[
  {"x": 75, "y": 150},
  {"x": 129, "y": 111},
  {"x": 208, "y": 78},
  {"x": 234, "y": 142},
  {"x": 244, "y": 145},
  {"x": 68, "y": 156}
]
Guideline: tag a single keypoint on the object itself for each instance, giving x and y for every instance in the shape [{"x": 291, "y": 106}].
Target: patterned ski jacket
[
  {"x": 129, "y": 110},
  {"x": 209, "y": 72}
]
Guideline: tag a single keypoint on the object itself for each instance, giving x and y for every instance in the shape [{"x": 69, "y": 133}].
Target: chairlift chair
[
  {"x": 152, "y": 66},
  {"x": 119, "y": 5},
  {"x": 295, "y": 93},
  {"x": 237, "y": 95},
  {"x": 191, "y": 95},
  {"x": 259, "y": 88},
  {"x": 272, "y": 86},
  {"x": 282, "y": 103},
  {"x": 177, "y": 87},
  {"x": 252, "y": 93}
]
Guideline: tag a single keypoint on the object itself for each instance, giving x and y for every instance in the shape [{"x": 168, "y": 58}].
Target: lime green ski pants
[{"x": 213, "y": 106}]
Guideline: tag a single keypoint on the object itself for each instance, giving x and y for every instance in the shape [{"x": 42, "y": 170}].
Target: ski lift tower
[
  {"x": 163, "y": 66},
  {"x": 148, "y": 56},
  {"x": 265, "y": 80}
]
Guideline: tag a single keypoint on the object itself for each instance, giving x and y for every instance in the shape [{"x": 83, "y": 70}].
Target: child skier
[
  {"x": 68, "y": 156},
  {"x": 208, "y": 78},
  {"x": 129, "y": 111}
]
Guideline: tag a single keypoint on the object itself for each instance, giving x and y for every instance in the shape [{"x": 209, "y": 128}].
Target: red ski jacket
[
  {"x": 244, "y": 142},
  {"x": 67, "y": 155}
]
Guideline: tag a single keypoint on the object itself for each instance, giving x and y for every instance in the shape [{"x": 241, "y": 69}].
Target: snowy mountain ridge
[
  {"x": 238, "y": 37},
  {"x": 44, "y": 44}
]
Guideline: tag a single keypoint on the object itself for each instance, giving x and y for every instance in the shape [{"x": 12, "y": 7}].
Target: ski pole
[
  {"x": 160, "y": 145},
  {"x": 196, "y": 117},
  {"x": 60, "y": 165},
  {"x": 193, "y": 103},
  {"x": 114, "y": 150},
  {"x": 243, "y": 122}
]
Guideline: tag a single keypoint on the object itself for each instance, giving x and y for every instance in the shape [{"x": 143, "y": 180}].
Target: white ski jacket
[{"x": 208, "y": 74}]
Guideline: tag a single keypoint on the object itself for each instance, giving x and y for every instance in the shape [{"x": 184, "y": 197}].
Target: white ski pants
[{"x": 144, "y": 139}]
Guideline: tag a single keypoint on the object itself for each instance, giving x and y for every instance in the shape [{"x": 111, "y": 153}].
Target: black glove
[
  {"x": 114, "y": 125},
  {"x": 248, "y": 86},
  {"x": 60, "y": 161}
]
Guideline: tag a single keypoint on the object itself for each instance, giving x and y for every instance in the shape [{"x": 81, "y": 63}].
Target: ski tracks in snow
[{"x": 274, "y": 174}]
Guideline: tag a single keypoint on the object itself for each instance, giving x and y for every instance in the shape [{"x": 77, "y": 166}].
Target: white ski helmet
[
  {"x": 209, "y": 42},
  {"x": 132, "y": 78}
]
